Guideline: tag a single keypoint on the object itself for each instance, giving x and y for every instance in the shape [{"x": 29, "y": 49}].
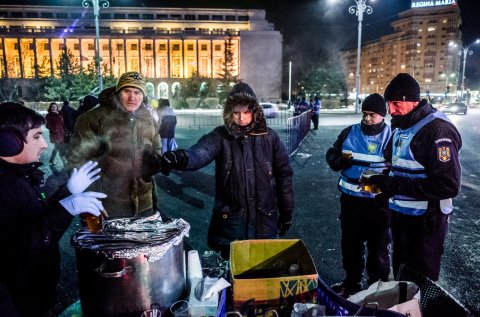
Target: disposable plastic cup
[
  {"x": 347, "y": 154},
  {"x": 94, "y": 223},
  {"x": 194, "y": 268},
  {"x": 151, "y": 313},
  {"x": 180, "y": 308}
]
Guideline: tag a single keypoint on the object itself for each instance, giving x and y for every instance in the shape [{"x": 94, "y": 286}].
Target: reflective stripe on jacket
[
  {"x": 404, "y": 165},
  {"x": 367, "y": 155}
]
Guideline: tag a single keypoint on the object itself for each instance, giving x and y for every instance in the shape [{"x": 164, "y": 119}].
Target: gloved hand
[
  {"x": 283, "y": 227},
  {"x": 177, "y": 159},
  {"x": 345, "y": 162},
  {"x": 83, "y": 177},
  {"x": 83, "y": 202},
  {"x": 388, "y": 185},
  {"x": 151, "y": 162}
]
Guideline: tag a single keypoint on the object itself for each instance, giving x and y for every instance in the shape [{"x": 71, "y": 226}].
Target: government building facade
[
  {"x": 425, "y": 43},
  {"x": 166, "y": 45}
]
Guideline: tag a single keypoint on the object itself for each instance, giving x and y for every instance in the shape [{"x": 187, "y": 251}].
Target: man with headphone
[{"x": 31, "y": 224}]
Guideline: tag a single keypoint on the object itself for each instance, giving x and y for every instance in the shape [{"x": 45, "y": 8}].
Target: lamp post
[
  {"x": 96, "y": 8},
  {"x": 359, "y": 9},
  {"x": 447, "y": 87},
  {"x": 465, "y": 51}
]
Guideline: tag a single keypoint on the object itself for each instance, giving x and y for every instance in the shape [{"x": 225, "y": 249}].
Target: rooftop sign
[{"x": 432, "y": 3}]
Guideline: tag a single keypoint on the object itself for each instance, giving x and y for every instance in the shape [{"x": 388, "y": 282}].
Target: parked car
[
  {"x": 455, "y": 107},
  {"x": 270, "y": 110}
]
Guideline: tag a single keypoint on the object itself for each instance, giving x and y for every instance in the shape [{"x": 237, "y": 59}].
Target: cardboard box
[{"x": 261, "y": 277}]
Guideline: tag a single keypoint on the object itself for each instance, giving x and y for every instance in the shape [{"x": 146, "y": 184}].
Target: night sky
[{"x": 313, "y": 27}]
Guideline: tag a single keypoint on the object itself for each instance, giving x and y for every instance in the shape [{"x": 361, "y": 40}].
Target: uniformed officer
[
  {"x": 363, "y": 218},
  {"x": 424, "y": 178}
]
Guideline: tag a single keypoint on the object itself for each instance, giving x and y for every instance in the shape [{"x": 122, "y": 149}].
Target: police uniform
[
  {"x": 363, "y": 218},
  {"x": 424, "y": 177}
]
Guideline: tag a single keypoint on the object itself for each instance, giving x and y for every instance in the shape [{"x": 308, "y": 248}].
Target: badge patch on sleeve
[{"x": 444, "y": 153}]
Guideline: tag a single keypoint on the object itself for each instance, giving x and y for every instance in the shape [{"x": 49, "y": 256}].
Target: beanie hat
[
  {"x": 242, "y": 90},
  {"x": 402, "y": 88},
  {"x": 90, "y": 101},
  {"x": 375, "y": 103},
  {"x": 131, "y": 79}
]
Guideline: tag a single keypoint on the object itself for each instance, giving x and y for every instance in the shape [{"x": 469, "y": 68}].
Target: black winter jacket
[
  {"x": 444, "y": 175},
  {"x": 254, "y": 187},
  {"x": 30, "y": 229}
]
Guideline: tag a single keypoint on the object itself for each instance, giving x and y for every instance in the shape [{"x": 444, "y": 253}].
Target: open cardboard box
[{"x": 261, "y": 278}]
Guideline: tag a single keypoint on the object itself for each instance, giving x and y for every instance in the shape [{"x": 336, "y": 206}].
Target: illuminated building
[
  {"x": 165, "y": 45},
  {"x": 420, "y": 45}
]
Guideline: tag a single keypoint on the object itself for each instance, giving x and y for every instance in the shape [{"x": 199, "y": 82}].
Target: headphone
[{"x": 11, "y": 143}]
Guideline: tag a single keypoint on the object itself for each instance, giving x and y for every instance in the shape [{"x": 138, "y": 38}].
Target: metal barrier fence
[
  {"x": 211, "y": 118},
  {"x": 297, "y": 129}
]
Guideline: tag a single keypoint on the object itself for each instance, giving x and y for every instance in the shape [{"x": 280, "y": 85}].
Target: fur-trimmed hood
[{"x": 242, "y": 95}]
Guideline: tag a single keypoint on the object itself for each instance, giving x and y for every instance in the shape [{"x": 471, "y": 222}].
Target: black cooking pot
[{"x": 132, "y": 264}]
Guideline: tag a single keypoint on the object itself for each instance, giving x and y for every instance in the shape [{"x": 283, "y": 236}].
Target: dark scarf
[
  {"x": 418, "y": 113},
  {"x": 238, "y": 131},
  {"x": 373, "y": 129}
]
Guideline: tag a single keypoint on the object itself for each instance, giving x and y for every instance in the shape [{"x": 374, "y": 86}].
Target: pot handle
[{"x": 125, "y": 270}]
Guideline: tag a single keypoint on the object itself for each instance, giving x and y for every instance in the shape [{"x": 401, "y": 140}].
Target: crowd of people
[
  {"x": 116, "y": 148},
  {"x": 301, "y": 105}
]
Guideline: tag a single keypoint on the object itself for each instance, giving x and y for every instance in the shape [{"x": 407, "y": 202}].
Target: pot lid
[{"x": 127, "y": 238}]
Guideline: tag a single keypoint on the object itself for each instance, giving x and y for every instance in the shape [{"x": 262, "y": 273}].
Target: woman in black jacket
[{"x": 254, "y": 188}]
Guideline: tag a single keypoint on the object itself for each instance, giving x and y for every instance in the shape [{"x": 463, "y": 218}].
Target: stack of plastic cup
[{"x": 194, "y": 268}]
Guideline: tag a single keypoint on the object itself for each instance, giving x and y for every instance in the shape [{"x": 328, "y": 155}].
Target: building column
[
  {"x": 4, "y": 57},
  {"x": 110, "y": 55},
  {"x": 139, "y": 56},
  {"x": 154, "y": 58},
  {"x": 20, "y": 59},
  {"x": 125, "y": 52},
  {"x": 35, "y": 58},
  {"x": 50, "y": 54},
  {"x": 81, "y": 54},
  {"x": 168, "y": 59}
]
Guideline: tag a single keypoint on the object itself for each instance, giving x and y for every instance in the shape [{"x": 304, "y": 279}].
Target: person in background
[
  {"x": 363, "y": 218},
  {"x": 31, "y": 224},
  {"x": 68, "y": 114},
  {"x": 89, "y": 102},
  {"x": 122, "y": 136},
  {"x": 425, "y": 176},
  {"x": 315, "y": 110},
  {"x": 56, "y": 127},
  {"x": 167, "y": 120},
  {"x": 301, "y": 107},
  {"x": 254, "y": 188}
]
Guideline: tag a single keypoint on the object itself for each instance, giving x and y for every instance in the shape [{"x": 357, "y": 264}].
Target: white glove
[
  {"x": 83, "y": 202},
  {"x": 83, "y": 177}
]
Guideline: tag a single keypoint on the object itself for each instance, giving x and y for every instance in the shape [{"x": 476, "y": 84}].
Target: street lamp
[
  {"x": 447, "y": 87},
  {"x": 96, "y": 9},
  {"x": 359, "y": 9},
  {"x": 465, "y": 51}
]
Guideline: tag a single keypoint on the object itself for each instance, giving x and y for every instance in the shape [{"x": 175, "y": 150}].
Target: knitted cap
[
  {"x": 131, "y": 79},
  {"x": 90, "y": 101},
  {"x": 375, "y": 103},
  {"x": 242, "y": 90},
  {"x": 402, "y": 88}
]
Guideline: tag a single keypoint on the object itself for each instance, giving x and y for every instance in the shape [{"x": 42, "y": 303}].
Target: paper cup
[{"x": 194, "y": 268}]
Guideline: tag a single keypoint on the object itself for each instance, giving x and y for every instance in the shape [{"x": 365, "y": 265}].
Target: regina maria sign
[{"x": 432, "y": 3}]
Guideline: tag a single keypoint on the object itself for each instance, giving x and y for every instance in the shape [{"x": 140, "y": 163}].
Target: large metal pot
[{"x": 121, "y": 273}]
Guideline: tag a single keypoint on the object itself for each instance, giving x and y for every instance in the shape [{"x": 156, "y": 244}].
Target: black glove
[
  {"x": 283, "y": 227},
  {"x": 151, "y": 163},
  {"x": 387, "y": 184},
  {"x": 344, "y": 162},
  {"x": 177, "y": 159}
]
